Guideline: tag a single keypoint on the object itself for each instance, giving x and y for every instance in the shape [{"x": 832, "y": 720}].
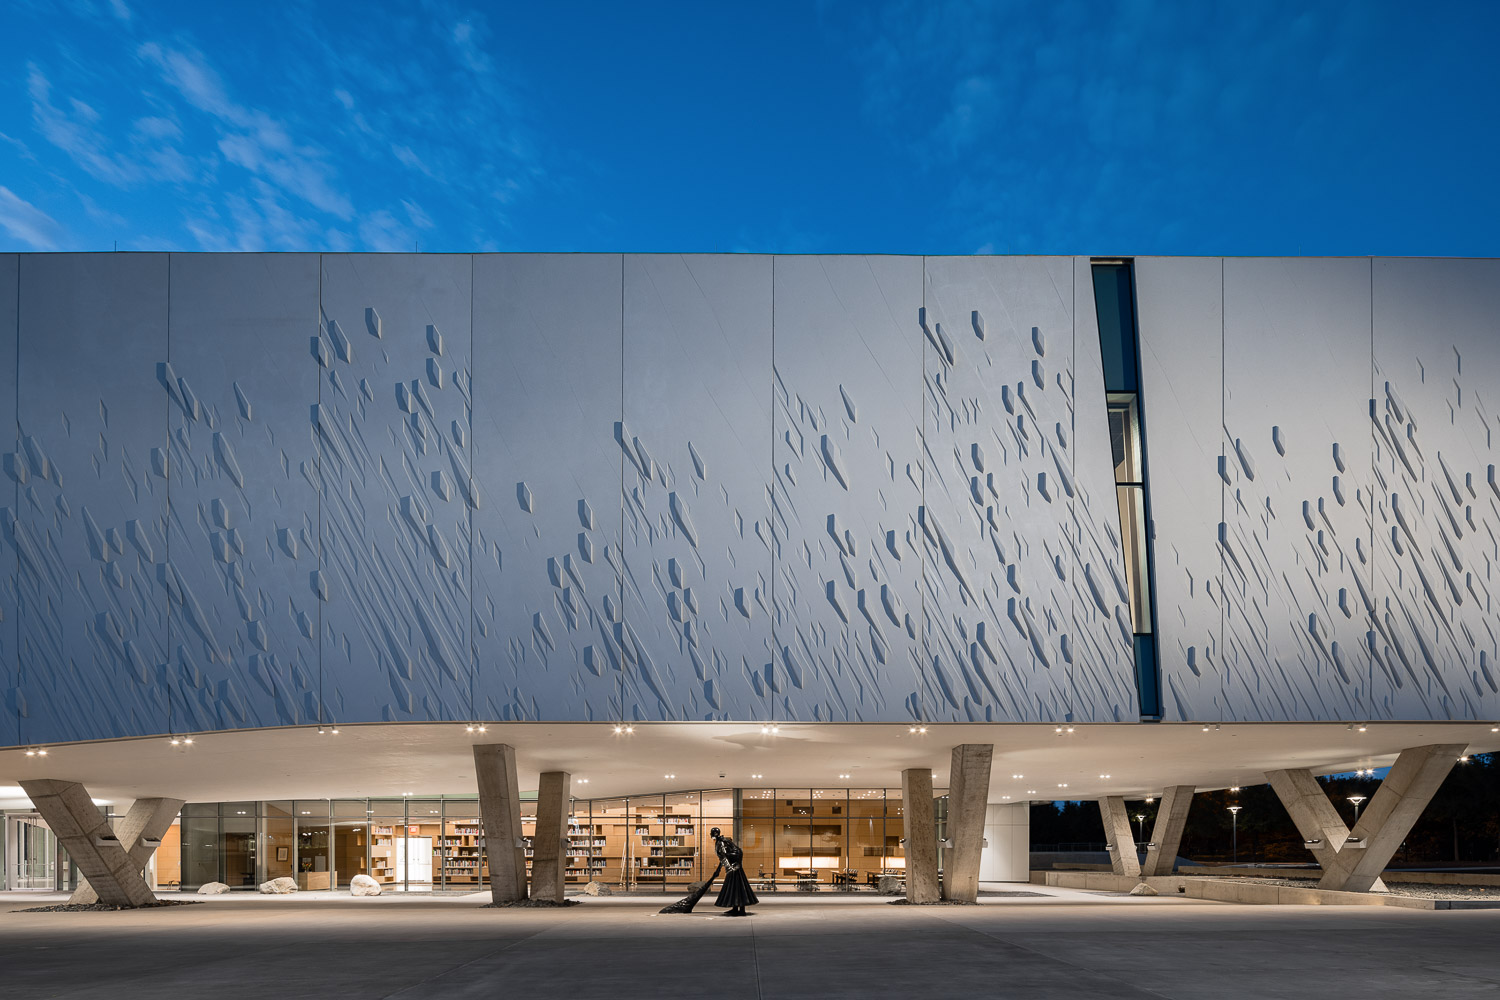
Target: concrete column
[
  {"x": 500, "y": 819},
  {"x": 1166, "y": 832},
  {"x": 1321, "y": 826},
  {"x": 549, "y": 848},
  {"x": 1394, "y": 808},
  {"x": 89, "y": 841},
  {"x": 139, "y": 832},
  {"x": 1353, "y": 860},
  {"x": 1119, "y": 836},
  {"x": 968, "y": 793},
  {"x": 921, "y": 835},
  {"x": 1007, "y": 851}
]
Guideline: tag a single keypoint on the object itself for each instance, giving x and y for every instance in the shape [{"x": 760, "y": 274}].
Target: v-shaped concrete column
[
  {"x": 500, "y": 819},
  {"x": 549, "y": 848},
  {"x": 140, "y": 833},
  {"x": 1166, "y": 832},
  {"x": 1119, "y": 836},
  {"x": 921, "y": 835},
  {"x": 1353, "y": 860},
  {"x": 86, "y": 836},
  {"x": 968, "y": 795}
]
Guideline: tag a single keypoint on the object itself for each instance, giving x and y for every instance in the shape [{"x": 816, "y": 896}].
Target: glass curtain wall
[
  {"x": 806, "y": 838},
  {"x": 350, "y": 821}
]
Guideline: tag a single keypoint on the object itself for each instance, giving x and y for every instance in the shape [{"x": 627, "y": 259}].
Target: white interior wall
[{"x": 1007, "y": 828}]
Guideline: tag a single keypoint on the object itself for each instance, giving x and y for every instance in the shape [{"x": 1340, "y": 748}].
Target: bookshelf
[{"x": 457, "y": 856}]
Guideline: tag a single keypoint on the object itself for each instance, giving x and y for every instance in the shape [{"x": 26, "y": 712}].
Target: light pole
[
  {"x": 1140, "y": 822},
  {"x": 1356, "y": 799},
  {"x": 1234, "y": 819}
]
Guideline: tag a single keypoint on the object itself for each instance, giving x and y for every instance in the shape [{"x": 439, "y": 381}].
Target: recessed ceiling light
[{"x": 1104, "y": 776}]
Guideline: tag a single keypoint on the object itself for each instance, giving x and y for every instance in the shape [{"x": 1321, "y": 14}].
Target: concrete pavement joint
[
  {"x": 1133, "y": 989},
  {"x": 459, "y": 968}
]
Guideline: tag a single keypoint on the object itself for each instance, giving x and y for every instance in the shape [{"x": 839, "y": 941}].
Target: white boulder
[
  {"x": 597, "y": 889},
  {"x": 212, "y": 889},
  {"x": 889, "y": 885},
  {"x": 279, "y": 886},
  {"x": 1142, "y": 889},
  {"x": 363, "y": 885}
]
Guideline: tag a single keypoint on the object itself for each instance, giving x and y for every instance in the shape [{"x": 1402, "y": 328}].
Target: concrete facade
[
  {"x": 621, "y": 453},
  {"x": 260, "y": 493}
]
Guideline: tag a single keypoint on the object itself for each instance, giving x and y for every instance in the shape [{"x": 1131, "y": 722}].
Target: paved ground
[{"x": 1064, "y": 944}]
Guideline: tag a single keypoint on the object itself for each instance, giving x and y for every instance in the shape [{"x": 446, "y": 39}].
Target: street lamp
[
  {"x": 1234, "y": 819},
  {"x": 1356, "y": 799},
  {"x": 1140, "y": 822}
]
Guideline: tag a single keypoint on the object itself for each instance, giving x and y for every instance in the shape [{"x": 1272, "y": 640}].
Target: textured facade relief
[
  {"x": 242, "y": 548},
  {"x": 550, "y": 640},
  {"x": 259, "y": 490},
  {"x": 392, "y": 419},
  {"x": 1013, "y": 541},
  {"x": 696, "y": 441},
  {"x": 1295, "y": 476},
  {"x": 89, "y": 528},
  {"x": 1437, "y": 514},
  {"x": 1180, "y": 309},
  {"x": 10, "y": 493},
  {"x": 1103, "y": 653},
  {"x": 847, "y": 593}
]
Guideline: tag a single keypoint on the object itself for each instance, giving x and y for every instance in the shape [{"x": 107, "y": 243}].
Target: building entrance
[{"x": 30, "y": 854}]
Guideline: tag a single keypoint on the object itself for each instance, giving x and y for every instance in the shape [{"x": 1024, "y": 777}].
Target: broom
[{"x": 686, "y": 903}]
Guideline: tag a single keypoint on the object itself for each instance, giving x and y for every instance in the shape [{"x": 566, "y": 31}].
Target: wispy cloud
[
  {"x": 1046, "y": 121},
  {"x": 25, "y": 222},
  {"x": 362, "y": 133}
]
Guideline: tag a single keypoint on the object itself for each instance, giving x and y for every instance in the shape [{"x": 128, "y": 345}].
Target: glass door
[{"x": 32, "y": 853}]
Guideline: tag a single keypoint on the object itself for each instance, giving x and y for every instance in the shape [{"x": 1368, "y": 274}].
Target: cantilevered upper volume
[{"x": 267, "y": 490}]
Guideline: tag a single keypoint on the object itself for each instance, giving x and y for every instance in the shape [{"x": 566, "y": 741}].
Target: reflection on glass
[
  {"x": 610, "y": 823},
  {"x": 200, "y": 846},
  {"x": 1133, "y": 538},
  {"x": 1125, "y": 436},
  {"x": 460, "y": 865},
  {"x": 313, "y": 861},
  {"x": 387, "y": 841}
]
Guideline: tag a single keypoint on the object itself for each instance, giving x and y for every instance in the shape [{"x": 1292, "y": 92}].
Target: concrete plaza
[{"x": 1061, "y": 943}]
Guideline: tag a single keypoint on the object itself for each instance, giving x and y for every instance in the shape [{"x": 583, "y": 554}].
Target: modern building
[{"x": 729, "y": 540}]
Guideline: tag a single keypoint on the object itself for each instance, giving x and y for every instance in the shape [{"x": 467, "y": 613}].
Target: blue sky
[{"x": 1064, "y": 126}]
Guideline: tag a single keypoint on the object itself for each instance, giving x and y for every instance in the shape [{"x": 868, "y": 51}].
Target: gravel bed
[
  {"x": 106, "y": 907},
  {"x": 531, "y": 904},
  {"x": 1418, "y": 890}
]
